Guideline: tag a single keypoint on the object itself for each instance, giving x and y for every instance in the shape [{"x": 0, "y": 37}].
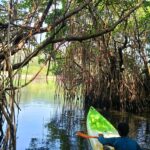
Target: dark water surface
[{"x": 48, "y": 124}]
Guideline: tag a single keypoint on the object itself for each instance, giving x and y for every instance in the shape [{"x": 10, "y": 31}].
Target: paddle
[{"x": 83, "y": 135}]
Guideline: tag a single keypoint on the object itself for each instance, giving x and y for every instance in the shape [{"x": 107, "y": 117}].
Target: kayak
[{"x": 96, "y": 123}]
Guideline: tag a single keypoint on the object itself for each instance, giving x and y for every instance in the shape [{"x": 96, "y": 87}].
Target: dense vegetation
[{"x": 100, "y": 46}]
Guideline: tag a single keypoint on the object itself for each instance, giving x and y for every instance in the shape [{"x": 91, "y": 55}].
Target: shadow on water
[{"x": 48, "y": 124}]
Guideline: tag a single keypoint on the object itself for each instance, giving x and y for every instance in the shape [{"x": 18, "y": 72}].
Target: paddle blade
[{"x": 83, "y": 135}]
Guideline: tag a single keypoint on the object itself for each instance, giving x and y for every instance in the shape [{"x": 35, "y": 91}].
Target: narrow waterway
[{"x": 46, "y": 123}]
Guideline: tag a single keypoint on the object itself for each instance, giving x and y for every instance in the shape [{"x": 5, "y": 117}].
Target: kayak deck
[{"x": 96, "y": 124}]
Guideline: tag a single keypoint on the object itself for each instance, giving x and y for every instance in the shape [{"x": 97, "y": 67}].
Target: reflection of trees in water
[
  {"x": 143, "y": 134},
  {"x": 61, "y": 132}
]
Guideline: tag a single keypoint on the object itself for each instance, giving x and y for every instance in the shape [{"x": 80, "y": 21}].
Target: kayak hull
[{"x": 97, "y": 124}]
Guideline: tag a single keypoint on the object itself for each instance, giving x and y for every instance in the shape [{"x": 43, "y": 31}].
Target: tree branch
[{"x": 105, "y": 31}]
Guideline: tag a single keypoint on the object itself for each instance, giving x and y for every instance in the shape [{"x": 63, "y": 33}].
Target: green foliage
[
  {"x": 25, "y": 4},
  {"x": 57, "y": 66},
  {"x": 79, "y": 1},
  {"x": 53, "y": 16},
  {"x": 41, "y": 60},
  {"x": 94, "y": 22},
  {"x": 56, "y": 69},
  {"x": 147, "y": 3}
]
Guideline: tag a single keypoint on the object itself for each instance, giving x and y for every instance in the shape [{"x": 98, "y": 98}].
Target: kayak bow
[{"x": 96, "y": 124}]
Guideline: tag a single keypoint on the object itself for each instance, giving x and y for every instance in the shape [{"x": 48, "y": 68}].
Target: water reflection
[
  {"x": 48, "y": 124},
  {"x": 60, "y": 133}
]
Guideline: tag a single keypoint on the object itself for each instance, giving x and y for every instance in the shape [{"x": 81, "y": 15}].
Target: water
[{"x": 48, "y": 124}]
